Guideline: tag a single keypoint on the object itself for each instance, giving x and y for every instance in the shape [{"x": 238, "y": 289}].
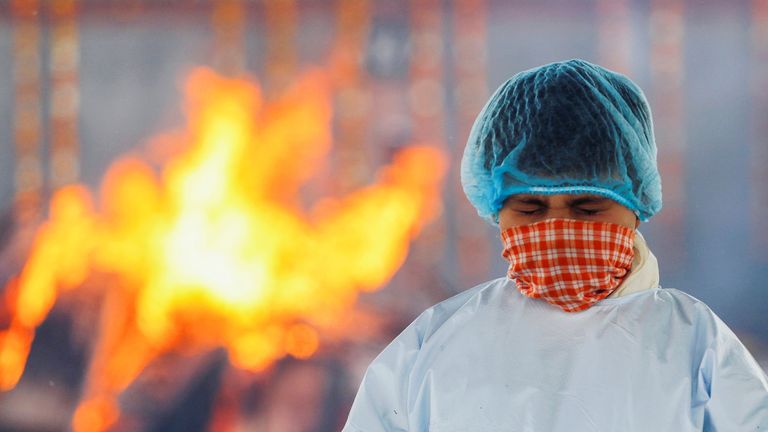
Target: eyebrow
[
  {"x": 588, "y": 200},
  {"x": 573, "y": 202}
]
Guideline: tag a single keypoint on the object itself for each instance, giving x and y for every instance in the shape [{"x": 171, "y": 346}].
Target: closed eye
[
  {"x": 529, "y": 212},
  {"x": 588, "y": 212}
]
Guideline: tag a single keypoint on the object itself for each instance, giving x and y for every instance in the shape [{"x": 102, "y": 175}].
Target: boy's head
[{"x": 566, "y": 128}]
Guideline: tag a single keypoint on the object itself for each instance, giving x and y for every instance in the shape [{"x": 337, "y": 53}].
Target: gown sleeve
[
  {"x": 381, "y": 401},
  {"x": 734, "y": 385}
]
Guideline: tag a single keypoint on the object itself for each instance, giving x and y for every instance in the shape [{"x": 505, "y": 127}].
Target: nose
[{"x": 559, "y": 213}]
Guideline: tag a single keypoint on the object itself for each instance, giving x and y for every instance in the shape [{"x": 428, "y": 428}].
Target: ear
[{"x": 637, "y": 222}]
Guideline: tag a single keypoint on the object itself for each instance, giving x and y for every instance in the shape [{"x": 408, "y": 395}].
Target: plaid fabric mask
[{"x": 571, "y": 264}]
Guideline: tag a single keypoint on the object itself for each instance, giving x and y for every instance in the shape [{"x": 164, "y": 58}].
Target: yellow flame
[{"x": 216, "y": 250}]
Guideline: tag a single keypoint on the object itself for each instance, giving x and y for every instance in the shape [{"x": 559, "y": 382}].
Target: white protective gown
[{"x": 490, "y": 359}]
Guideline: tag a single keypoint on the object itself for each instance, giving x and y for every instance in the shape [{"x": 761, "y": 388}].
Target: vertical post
[
  {"x": 759, "y": 131},
  {"x": 426, "y": 99},
  {"x": 280, "y": 20},
  {"x": 615, "y": 35},
  {"x": 351, "y": 92},
  {"x": 473, "y": 250},
  {"x": 426, "y": 89},
  {"x": 27, "y": 108},
  {"x": 228, "y": 23},
  {"x": 667, "y": 74},
  {"x": 64, "y": 93}
]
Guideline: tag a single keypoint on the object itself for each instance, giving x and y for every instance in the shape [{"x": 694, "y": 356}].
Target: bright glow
[{"x": 214, "y": 251}]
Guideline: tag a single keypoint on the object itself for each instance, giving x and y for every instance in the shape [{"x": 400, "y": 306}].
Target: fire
[{"x": 216, "y": 250}]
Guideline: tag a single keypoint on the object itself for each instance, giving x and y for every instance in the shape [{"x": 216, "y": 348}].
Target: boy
[{"x": 578, "y": 336}]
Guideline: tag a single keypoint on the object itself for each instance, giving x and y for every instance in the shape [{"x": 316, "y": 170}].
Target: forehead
[{"x": 559, "y": 198}]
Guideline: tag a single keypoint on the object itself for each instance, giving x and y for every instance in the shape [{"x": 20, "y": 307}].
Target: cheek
[
  {"x": 505, "y": 222},
  {"x": 509, "y": 219},
  {"x": 626, "y": 218}
]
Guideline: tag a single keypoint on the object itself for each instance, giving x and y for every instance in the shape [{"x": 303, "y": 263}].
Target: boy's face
[{"x": 524, "y": 209}]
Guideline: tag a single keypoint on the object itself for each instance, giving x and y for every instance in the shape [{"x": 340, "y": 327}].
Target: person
[{"x": 578, "y": 336}]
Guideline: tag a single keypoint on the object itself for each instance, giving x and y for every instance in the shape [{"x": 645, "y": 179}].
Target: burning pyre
[{"x": 216, "y": 249}]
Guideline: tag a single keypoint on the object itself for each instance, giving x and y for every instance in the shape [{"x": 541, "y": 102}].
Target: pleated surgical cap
[{"x": 568, "y": 127}]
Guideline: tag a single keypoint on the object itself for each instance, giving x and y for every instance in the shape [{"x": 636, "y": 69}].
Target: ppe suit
[{"x": 490, "y": 359}]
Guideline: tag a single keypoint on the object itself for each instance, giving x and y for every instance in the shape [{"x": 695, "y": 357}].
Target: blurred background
[{"x": 85, "y": 82}]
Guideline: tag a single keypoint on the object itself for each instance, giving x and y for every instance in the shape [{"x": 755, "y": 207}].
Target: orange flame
[{"x": 217, "y": 251}]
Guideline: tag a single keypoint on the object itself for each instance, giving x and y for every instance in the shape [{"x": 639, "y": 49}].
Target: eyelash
[{"x": 589, "y": 212}]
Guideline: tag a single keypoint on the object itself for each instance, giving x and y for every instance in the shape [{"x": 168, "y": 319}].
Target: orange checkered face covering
[{"x": 571, "y": 264}]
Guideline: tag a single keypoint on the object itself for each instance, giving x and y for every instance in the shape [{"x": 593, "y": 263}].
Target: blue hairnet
[{"x": 567, "y": 127}]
